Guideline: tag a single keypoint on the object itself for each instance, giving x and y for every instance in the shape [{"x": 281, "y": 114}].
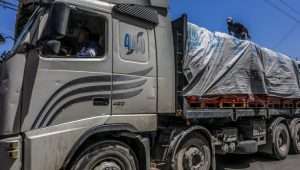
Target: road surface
[{"x": 257, "y": 162}]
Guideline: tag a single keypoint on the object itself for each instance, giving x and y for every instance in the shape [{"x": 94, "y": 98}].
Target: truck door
[
  {"x": 75, "y": 83},
  {"x": 134, "y": 67}
]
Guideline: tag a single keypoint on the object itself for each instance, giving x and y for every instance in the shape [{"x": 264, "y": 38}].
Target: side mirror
[
  {"x": 58, "y": 21},
  {"x": 53, "y": 46}
]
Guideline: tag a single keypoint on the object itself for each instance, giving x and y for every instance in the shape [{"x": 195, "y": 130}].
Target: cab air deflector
[{"x": 140, "y": 12}]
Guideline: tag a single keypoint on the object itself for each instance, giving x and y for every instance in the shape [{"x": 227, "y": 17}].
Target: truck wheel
[
  {"x": 296, "y": 139},
  {"x": 112, "y": 155},
  {"x": 281, "y": 145},
  {"x": 194, "y": 154}
]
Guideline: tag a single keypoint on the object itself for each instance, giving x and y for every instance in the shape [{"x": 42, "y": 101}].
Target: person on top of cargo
[
  {"x": 87, "y": 47},
  {"x": 237, "y": 30}
]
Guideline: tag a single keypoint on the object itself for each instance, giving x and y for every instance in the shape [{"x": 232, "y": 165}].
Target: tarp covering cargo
[{"x": 219, "y": 64}]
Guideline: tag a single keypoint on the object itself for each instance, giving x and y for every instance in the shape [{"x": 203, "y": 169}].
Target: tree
[
  {"x": 8, "y": 5},
  {"x": 2, "y": 39}
]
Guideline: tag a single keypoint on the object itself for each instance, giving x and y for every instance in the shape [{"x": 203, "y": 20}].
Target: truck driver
[{"x": 87, "y": 47}]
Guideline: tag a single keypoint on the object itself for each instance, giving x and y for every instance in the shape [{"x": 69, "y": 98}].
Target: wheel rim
[
  {"x": 282, "y": 140},
  {"x": 297, "y": 137},
  {"x": 195, "y": 158},
  {"x": 109, "y": 164}
]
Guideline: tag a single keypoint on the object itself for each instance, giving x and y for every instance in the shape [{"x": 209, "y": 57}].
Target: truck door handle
[{"x": 100, "y": 101}]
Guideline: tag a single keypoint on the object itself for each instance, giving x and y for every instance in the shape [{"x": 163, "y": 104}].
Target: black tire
[
  {"x": 106, "y": 155},
  {"x": 193, "y": 154},
  {"x": 281, "y": 145},
  {"x": 295, "y": 139}
]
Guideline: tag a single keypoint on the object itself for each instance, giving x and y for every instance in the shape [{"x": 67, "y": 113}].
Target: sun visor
[{"x": 152, "y": 3}]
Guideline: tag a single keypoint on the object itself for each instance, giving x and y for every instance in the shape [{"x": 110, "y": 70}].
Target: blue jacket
[{"x": 88, "y": 50}]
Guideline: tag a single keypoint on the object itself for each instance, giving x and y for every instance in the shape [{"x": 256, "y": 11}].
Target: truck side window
[{"x": 85, "y": 36}]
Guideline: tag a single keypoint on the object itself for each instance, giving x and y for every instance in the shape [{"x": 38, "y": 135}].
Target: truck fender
[
  {"x": 177, "y": 140},
  {"x": 122, "y": 130}
]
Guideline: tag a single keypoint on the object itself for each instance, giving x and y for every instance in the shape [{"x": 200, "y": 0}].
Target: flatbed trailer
[
  {"x": 236, "y": 113},
  {"x": 235, "y": 107}
]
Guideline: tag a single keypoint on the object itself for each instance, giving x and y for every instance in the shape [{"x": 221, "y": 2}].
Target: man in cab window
[{"x": 87, "y": 47}]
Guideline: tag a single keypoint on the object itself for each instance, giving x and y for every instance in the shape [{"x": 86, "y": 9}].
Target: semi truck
[{"x": 124, "y": 108}]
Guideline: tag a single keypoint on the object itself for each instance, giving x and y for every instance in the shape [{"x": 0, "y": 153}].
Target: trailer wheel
[
  {"x": 295, "y": 148},
  {"x": 194, "y": 154},
  {"x": 107, "y": 155},
  {"x": 281, "y": 145}
]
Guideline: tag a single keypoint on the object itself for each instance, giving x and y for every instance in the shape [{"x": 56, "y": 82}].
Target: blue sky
[
  {"x": 268, "y": 26},
  {"x": 7, "y": 26}
]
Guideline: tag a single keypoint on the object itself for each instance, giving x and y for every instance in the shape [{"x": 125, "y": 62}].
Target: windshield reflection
[{"x": 24, "y": 33}]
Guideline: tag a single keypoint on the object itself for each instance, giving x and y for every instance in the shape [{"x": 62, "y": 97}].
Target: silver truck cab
[{"x": 55, "y": 101}]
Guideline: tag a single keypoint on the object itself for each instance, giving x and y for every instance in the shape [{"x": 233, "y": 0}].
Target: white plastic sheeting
[{"x": 219, "y": 64}]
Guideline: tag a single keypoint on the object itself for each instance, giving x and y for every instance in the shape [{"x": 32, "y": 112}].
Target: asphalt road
[{"x": 257, "y": 162}]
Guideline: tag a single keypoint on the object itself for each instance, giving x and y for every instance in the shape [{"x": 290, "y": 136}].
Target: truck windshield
[{"x": 25, "y": 31}]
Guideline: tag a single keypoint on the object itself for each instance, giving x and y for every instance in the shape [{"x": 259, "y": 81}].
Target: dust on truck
[{"x": 123, "y": 108}]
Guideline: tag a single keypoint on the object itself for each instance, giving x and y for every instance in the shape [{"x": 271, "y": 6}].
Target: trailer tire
[
  {"x": 194, "y": 153},
  {"x": 281, "y": 144},
  {"x": 295, "y": 139},
  {"x": 106, "y": 155}
]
